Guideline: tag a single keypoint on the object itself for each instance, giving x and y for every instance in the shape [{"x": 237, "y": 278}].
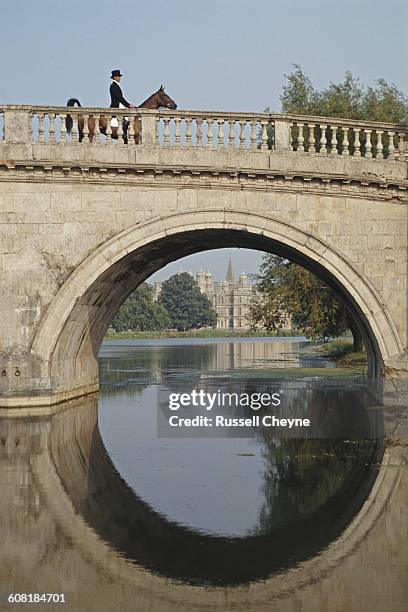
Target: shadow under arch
[
  {"x": 126, "y": 524},
  {"x": 73, "y": 327}
]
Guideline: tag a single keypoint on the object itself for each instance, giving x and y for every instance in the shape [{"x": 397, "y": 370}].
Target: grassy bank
[
  {"x": 339, "y": 372},
  {"x": 341, "y": 351},
  {"x": 197, "y": 333}
]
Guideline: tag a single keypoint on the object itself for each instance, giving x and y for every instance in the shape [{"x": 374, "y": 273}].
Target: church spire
[{"x": 230, "y": 272}]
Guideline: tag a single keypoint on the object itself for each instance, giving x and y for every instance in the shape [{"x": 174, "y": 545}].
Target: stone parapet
[{"x": 83, "y": 223}]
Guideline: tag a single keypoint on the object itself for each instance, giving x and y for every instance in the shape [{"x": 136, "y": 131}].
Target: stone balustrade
[
  {"x": 199, "y": 129},
  {"x": 300, "y": 134}
]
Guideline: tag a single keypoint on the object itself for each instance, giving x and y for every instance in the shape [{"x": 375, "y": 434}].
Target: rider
[{"x": 118, "y": 101}]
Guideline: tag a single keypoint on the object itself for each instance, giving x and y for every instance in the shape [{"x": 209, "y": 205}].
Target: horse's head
[{"x": 164, "y": 101}]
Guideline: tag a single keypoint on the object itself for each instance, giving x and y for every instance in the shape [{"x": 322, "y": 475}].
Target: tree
[
  {"x": 298, "y": 94},
  {"x": 140, "y": 312},
  {"x": 348, "y": 99},
  {"x": 285, "y": 288},
  {"x": 186, "y": 306}
]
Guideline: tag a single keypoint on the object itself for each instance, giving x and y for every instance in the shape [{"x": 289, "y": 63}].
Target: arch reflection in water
[
  {"x": 295, "y": 531},
  {"x": 67, "y": 450}
]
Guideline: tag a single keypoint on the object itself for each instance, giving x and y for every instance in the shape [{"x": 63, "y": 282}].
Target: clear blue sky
[
  {"x": 216, "y": 261},
  {"x": 225, "y": 54}
]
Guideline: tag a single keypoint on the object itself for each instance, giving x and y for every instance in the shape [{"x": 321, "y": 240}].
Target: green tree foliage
[
  {"x": 140, "y": 312},
  {"x": 348, "y": 99},
  {"x": 298, "y": 94},
  {"x": 284, "y": 288},
  {"x": 186, "y": 306}
]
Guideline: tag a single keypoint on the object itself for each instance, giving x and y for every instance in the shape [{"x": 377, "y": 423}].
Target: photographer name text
[{"x": 219, "y": 401}]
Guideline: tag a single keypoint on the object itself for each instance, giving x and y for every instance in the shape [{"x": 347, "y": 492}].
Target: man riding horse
[
  {"x": 118, "y": 101},
  {"x": 156, "y": 100}
]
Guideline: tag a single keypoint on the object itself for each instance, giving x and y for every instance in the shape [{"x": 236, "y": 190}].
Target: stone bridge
[{"x": 83, "y": 223}]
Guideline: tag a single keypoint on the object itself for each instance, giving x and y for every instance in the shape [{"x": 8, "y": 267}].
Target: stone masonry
[{"x": 81, "y": 225}]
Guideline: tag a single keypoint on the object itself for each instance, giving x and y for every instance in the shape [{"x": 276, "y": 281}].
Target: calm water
[{"x": 104, "y": 508}]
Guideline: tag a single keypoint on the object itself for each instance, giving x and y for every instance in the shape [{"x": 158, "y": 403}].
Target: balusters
[
  {"x": 254, "y": 132},
  {"x": 119, "y": 132},
  {"x": 108, "y": 140},
  {"x": 231, "y": 133},
  {"x": 63, "y": 129},
  {"x": 220, "y": 137},
  {"x": 345, "y": 143},
  {"x": 379, "y": 154},
  {"x": 166, "y": 131},
  {"x": 85, "y": 139},
  {"x": 74, "y": 130},
  {"x": 292, "y": 140},
  {"x": 391, "y": 148},
  {"x": 300, "y": 138},
  {"x": 401, "y": 146},
  {"x": 41, "y": 129},
  {"x": 199, "y": 133},
  {"x": 357, "y": 143},
  {"x": 323, "y": 139},
  {"x": 368, "y": 145},
  {"x": 96, "y": 130},
  {"x": 242, "y": 125},
  {"x": 210, "y": 133},
  {"x": 188, "y": 121},
  {"x": 51, "y": 129},
  {"x": 333, "y": 145},
  {"x": 177, "y": 135},
  {"x": 254, "y": 135},
  {"x": 312, "y": 140},
  {"x": 264, "y": 135},
  {"x": 131, "y": 130}
]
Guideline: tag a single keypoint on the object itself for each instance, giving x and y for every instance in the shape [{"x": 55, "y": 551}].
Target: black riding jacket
[{"x": 117, "y": 96}]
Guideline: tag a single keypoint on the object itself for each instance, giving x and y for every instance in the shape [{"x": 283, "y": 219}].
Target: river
[{"x": 117, "y": 510}]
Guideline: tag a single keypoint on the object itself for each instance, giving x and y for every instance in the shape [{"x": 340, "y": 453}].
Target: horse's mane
[{"x": 143, "y": 104}]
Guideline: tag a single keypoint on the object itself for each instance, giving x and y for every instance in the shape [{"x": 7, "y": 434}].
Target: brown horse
[{"x": 159, "y": 99}]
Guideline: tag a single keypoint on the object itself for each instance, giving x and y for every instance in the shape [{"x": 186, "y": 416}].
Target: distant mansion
[{"x": 231, "y": 299}]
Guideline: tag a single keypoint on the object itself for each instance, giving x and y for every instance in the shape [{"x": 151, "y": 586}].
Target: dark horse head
[{"x": 159, "y": 99}]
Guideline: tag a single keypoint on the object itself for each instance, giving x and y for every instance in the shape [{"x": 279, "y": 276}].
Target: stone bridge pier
[{"x": 82, "y": 224}]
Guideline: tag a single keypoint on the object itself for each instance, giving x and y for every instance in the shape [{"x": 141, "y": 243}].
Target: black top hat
[{"x": 115, "y": 73}]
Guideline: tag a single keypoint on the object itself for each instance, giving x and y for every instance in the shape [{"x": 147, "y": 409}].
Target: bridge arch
[{"x": 68, "y": 339}]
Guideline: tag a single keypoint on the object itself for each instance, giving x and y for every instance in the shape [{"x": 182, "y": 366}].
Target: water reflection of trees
[
  {"x": 149, "y": 365},
  {"x": 137, "y": 366},
  {"x": 302, "y": 475}
]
